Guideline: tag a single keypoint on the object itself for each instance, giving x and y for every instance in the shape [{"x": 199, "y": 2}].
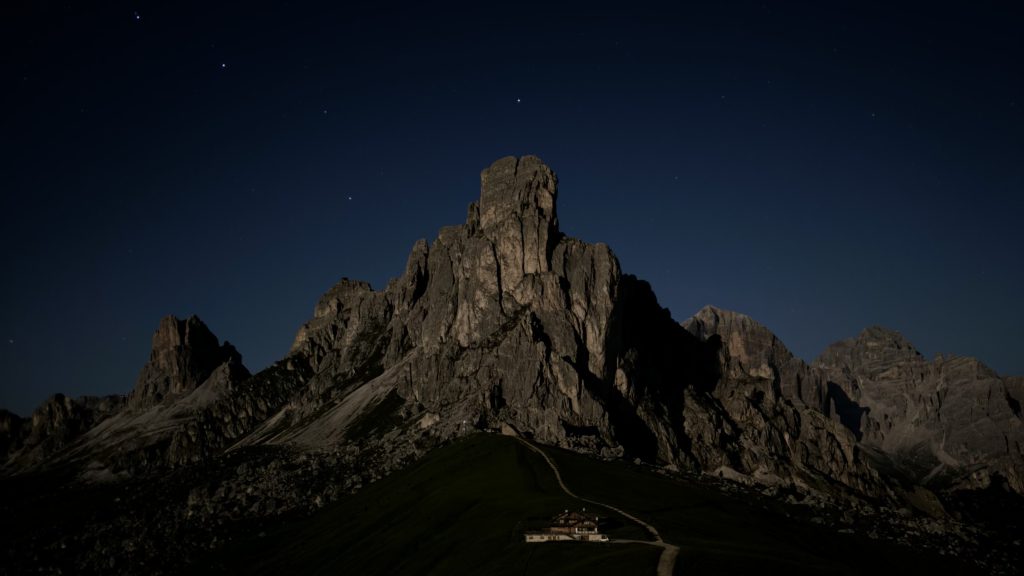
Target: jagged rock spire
[
  {"x": 518, "y": 214},
  {"x": 185, "y": 353}
]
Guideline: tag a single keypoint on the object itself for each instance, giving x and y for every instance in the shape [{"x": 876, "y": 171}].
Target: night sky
[{"x": 821, "y": 167}]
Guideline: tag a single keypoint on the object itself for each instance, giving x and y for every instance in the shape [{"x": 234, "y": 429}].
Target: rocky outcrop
[
  {"x": 949, "y": 421},
  {"x": 158, "y": 424},
  {"x": 192, "y": 398},
  {"x": 55, "y": 425},
  {"x": 754, "y": 353},
  {"x": 777, "y": 409},
  {"x": 893, "y": 416},
  {"x": 185, "y": 354},
  {"x": 501, "y": 319}
]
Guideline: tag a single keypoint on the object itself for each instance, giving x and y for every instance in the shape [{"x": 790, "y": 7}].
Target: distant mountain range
[{"x": 505, "y": 324}]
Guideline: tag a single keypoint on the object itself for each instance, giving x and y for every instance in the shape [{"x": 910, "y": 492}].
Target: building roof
[{"x": 573, "y": 518}]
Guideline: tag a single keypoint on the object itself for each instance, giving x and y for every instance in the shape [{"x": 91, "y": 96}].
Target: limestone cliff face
[
  {"x": 778, "y": 407},
  {"x": 752, "y": 352},
  {"x": 876, "y": 406},
  {"x": 950, "y": 420},
  {"x": 185, "y": 354},
  {"x": 501, "y": 319}
]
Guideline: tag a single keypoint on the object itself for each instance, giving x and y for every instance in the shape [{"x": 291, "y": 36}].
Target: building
[{"x": 569, "y": 526}]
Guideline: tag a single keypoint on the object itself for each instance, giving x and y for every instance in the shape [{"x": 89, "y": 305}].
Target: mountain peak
[
  {"x": 882, "y": 337},
  {"x": 517, "y": 215},
  {"x": 756, "y": 350},
  {"x": 711, "y": 320},
  {"x": 517, "y": 187},
  {"x": 185, "y": 353},
  {"x": 710, "y": 312},
  {"x": 876, "y": 347}
]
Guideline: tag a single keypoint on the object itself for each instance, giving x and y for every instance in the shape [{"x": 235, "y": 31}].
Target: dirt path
[{"x": 669, "y": 552}]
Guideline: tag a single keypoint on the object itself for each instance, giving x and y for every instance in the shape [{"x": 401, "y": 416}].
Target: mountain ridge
[
  {"x": 518, "y": 325},
  {"x": 504, "y": 323}
]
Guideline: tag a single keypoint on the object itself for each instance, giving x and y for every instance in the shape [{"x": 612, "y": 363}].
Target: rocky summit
[
  {"x": 185, "y": 356},
  {"x": 948, "y": 422},
  {"x": 503, "y": 323}
]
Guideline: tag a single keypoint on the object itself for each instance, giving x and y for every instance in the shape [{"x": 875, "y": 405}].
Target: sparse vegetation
[{"x": 462, "y": 510}]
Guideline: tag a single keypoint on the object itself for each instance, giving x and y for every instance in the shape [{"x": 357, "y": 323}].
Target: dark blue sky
[{"x": 821, "y": 166}]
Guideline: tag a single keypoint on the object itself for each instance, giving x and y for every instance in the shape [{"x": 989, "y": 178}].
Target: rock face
[
  {"x": 185, "y": 354},
  {"x": 501, "y": 319},
  {"x": 777, "y": 408},
  {"x": 947, "y": 421},
  {"x": 951, "y": 422},
  {"x": 155, "y": 425},
  {"x": 751, "y": 352},
  {"x": 55, "y": 425}
]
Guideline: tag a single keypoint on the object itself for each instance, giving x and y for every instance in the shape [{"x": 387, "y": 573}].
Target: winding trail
[{"x": 669, "y": 552}]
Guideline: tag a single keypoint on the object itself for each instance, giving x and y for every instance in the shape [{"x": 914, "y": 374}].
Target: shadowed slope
[
  {"x": 460, "y": 510},
  {"x": 463, "y": 508}
]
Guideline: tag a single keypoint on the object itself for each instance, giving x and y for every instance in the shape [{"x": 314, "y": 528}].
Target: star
[
  {"x": 223, "y": 65},
  {"x": 518, "y": 100},
  {"x": 137, "y": 16},
  {"x": 349, "y": 197}
]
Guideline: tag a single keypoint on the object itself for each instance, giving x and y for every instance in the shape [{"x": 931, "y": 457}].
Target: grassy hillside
[
  {"x": 726, "y": 534},
  {"x": 462, "y": 510}
]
